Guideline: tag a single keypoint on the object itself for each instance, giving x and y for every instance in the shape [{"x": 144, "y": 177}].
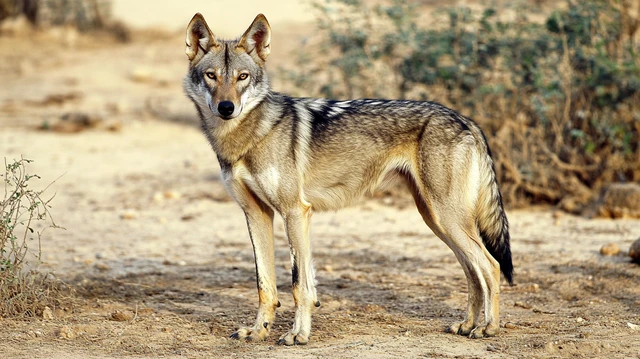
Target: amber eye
[
  {"x": 243, "y": 76},
  {"x": 210, "y": 75}
]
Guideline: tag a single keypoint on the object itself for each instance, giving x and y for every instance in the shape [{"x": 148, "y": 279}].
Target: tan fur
[{"x": 295, "y": 156}]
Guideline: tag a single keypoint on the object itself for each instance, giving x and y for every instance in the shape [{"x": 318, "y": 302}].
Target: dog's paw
[
  {"x": 250, "y": 334},
  {"x": 293, "y": 339},
  {"x": 482, "y": 331},
  {"x": 461, "y": 328}
]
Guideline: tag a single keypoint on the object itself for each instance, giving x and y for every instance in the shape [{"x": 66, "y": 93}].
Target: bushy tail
[{"x": 492, "y": 221}]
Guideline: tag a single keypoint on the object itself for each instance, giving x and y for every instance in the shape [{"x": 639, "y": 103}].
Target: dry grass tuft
[{"x": 24, "y": 215}]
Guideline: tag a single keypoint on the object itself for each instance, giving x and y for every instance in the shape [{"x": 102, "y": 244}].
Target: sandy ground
[{"x": 163, "y": 266}]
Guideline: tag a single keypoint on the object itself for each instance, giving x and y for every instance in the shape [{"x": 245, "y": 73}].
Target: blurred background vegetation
[
  {"x": 556, "y": 92},
  {"x": 84, "y": 15}
]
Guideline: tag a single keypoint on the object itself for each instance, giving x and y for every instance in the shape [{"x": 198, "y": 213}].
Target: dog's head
[{"x": 227, "y": 78}]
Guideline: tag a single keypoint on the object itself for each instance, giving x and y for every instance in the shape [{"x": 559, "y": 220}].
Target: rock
[
  {"x": 529, "y": 288},
  {"x": 327, "y": 268},
  {"x": 129, "y": 214},
  {"x": 634, "y": 251},
  {"x": 102, "y": 267},
  {"x": 171, "y": 194},
  {"x": 113, "y": 126},
  {"x": 120, "y": 316},
  {"x": 158, "y": 197},
  {"x": 74, "y": 122},
  {"x": 523, "y": 305},
  {"x": 59, "y": 99},
  {"x": 610, "y": 249},
  {"x": 66, "y": 333},
  {"x": 620, "y": 200},
  {"x": 141, "y": 75},
  {"x": 47, "y": 313}
]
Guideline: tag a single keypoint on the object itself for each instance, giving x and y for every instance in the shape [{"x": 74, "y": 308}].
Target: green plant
[{"x": 24, "y": 215}]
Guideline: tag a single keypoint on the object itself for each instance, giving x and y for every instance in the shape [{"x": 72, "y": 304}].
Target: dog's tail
[{"x": 492, "y": 221}]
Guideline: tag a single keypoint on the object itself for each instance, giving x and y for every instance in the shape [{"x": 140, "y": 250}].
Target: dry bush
[
  {"x": 558, "y": 99},
  {"x": 24, "y": 216}
]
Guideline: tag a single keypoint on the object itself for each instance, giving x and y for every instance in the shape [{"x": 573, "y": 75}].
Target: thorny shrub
[
  {"x": 24, "y": 215},
  {"x": 558, "y": 98}
]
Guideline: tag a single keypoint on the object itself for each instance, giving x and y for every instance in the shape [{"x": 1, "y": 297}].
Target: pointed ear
[
  {"x": 199, "y": 38},
  {"x": 256, "y": 41}
]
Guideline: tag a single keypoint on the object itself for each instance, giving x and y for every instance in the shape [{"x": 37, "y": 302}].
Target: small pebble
[
  {"x": 172, "y": 194},
  {"x": 66, "y": 333},
  {"x": 129, "y": 214},
  {"x": 102, "y": 267},
  {"x": 120, "y": 316},
  {"x": 523, "y": 305},
  {"x": 47, "y": 313},
  {"x": 158, "y": 197},
  {"x": 610, "y": 249},
  {"x": 141, "y": 75}
]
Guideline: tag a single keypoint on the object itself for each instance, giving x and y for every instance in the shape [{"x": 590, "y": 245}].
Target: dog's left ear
[{"x": 256, "y": 41}]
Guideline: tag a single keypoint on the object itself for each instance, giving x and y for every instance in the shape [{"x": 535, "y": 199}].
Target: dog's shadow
[{"x": 224, "y": 294}]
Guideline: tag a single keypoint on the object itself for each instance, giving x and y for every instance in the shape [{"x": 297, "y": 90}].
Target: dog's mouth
[{"x": 227, "y": 118}]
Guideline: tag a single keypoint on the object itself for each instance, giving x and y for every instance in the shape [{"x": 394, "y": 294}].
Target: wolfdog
[{"x": 295, "y": 156}]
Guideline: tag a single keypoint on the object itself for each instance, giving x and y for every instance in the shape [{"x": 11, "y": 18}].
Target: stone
[
  {"x": 634, "y": 251},
  {"x": 620, "y": 200},
  {"x": 610, "y": 249}
]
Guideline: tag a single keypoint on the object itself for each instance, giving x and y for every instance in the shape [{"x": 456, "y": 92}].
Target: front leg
[
  {"x": 302, "y": 274},
  {"x": 260, "y": 223}
]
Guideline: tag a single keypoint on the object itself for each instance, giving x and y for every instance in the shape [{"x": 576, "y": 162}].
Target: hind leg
[
  {"x": 456, "y": 227},
  {"x": 483, "y": 290},
  {"x": 483, "y": 275},
  {"x": 491, "y": 274},
  {"x": 474, "y": 302},
  {"x": 484, "y": 278}
]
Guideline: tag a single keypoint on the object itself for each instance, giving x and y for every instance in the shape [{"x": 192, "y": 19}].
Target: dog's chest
[{"x": 263, "y": 183}]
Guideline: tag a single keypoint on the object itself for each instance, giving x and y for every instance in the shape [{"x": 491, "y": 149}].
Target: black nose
[{"x": 226, "y": 108}]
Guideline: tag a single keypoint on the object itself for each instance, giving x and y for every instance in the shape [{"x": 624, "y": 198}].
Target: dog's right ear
[{"x": 199, "y": 38}]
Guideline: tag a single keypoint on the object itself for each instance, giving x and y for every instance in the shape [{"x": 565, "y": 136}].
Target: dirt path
[{"x": 163, "y": 266}]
